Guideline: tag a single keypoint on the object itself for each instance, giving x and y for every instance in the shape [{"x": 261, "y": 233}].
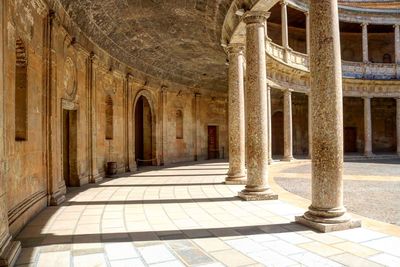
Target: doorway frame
[
  {"x": 154, "y": 126},
  {"x": 218, "y": 140},
  {"x": 68, "y": 105}
]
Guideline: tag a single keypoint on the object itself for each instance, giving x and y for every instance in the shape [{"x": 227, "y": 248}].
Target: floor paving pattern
[{"x": 185, "y": 216}]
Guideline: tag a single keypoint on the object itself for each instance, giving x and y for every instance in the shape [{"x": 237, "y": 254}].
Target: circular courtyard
[{"x": 371, "y": 187}]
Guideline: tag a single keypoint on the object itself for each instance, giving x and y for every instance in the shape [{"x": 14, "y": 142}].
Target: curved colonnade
[
  {"x": 76, "y": 83},
  {"x": 289, "y": 70}
]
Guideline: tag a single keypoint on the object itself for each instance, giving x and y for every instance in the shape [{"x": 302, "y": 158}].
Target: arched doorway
[
  {"x": 277, "y": 133},
  {"x": 70, "y": 148},
  {"x": 143, "y": 132}
]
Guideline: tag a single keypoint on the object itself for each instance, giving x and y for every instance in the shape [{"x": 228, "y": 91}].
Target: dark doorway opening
[
  {"x": 143, "y": 133},
  {"x": 213, "y": 151},
  {"x": 277, "y": 133},
  {"x": 350, "y": 139},
  {"x": 70, "y": 167}
]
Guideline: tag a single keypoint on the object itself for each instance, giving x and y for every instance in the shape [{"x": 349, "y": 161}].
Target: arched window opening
[
  {"x": 179, "y": 124},
  {"x": 109, "y": 118},
  {"x": 21, "y": 92}
]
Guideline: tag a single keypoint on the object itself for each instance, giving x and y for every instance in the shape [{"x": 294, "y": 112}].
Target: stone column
[
  {"x": 367, "y": 128},
  {"x": 326, "y": 212},
  {"x": 284, "y": 23},
  {"x": 285, "y": 31},
  {"x": 237, "y": 171},
  {"x": 287, "y": 126},
  {"x": 196, "y": 126},
  {"x": 95, "y": 176},
  {"x": 309, "y": 127},
  {"x": 269, "y": 104},
  {"x": 398, "y": 125},
  {"x": 397, "y": 42},
  {"x": 308, "y": 32},
  {"x": 365, "y": 42},
  {"x": 397, "y": 49},
  {"x": 164, "y": 127},
  {"x": 257, "y": 187}
]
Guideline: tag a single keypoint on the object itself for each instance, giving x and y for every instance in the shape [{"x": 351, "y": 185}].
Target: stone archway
[{"x": 144, "y": 130}]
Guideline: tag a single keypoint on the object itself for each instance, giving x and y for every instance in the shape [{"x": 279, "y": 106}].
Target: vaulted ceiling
[{"x": 177, "y": 40}]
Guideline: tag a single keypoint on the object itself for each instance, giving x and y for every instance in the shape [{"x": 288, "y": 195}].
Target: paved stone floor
[
  {"x": 371, "y": 188},
  {"x": 186, "y": 216}
]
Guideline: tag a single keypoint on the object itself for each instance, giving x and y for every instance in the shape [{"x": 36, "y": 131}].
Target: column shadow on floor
[
  {"x": 166, "y": 235},
  {"x": 151, "y": 201}
]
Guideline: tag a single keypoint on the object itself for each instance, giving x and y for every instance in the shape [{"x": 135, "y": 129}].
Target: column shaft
[
  {"x": 398, "y": 125},
  {"x": 326, "y": 212},
  {"x": 308, "y": 32},
  {"x": 397, "y": 43},
  {"x": 287, "y": 126},
  {"x": 285, "y": 31},
  {"x": 365, "y": 42},
  {"x": 367, "y": 128},
  {"x": 397, "y": 49},
  {"x": 269, "y": 103},
  {"x": 257, "y": 187},
  {"x": 237, "y": 173},
  {"x": 309, "y": 127}
]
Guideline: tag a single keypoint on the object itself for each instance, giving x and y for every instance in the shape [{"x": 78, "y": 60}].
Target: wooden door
[
  {"x": 350, "y": 139},
  {"x": 213, "y": 152}
]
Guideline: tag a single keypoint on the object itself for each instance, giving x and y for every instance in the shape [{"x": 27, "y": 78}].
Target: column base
[
  {"x": 57, "y": 199},
  {"x": 9, "y": 252},
  {"x": 270, "y": 161},
  {"x": 326, "y": 227},
  {"x": 256, "y": 196},
  {"x": 288, "y": 159},
  {"x": 369, "y": 154},
  {"x": 240, "y": 179},
  {"x": 95, "y": 179}
]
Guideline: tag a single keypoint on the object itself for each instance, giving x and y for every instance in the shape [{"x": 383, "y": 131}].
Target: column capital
[
  {"x": 235, "y": 48},
  {"x": 396, "y": 25},
  {"x": 306, "y": 13},
  {"x": 287, "y": 91},
  {"x": 367, "y": 97},
  {"x": 283, "y": 2},
  {"x": 364, "y": 24},
  {"x": 251, "y": 17}
]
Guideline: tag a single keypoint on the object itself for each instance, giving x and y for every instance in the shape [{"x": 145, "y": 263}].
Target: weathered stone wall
[
  {"x": 66, "y": 72},
  {"x": 24, "y": 173}
]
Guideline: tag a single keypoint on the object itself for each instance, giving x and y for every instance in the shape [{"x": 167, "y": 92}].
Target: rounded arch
[{"x": 145, "y": 129}]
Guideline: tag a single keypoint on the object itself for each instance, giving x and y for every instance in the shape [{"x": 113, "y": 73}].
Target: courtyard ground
[{"x": 184, "y": 215}]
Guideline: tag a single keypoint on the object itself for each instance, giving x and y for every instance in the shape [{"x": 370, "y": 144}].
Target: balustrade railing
[{"x": 359, "y": 70}]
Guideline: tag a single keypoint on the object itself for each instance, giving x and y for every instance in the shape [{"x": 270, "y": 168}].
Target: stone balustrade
[{"x": 358, "y": 70}]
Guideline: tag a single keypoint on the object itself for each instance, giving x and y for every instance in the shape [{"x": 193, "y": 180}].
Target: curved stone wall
[{"x": 70, "y": 86}]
